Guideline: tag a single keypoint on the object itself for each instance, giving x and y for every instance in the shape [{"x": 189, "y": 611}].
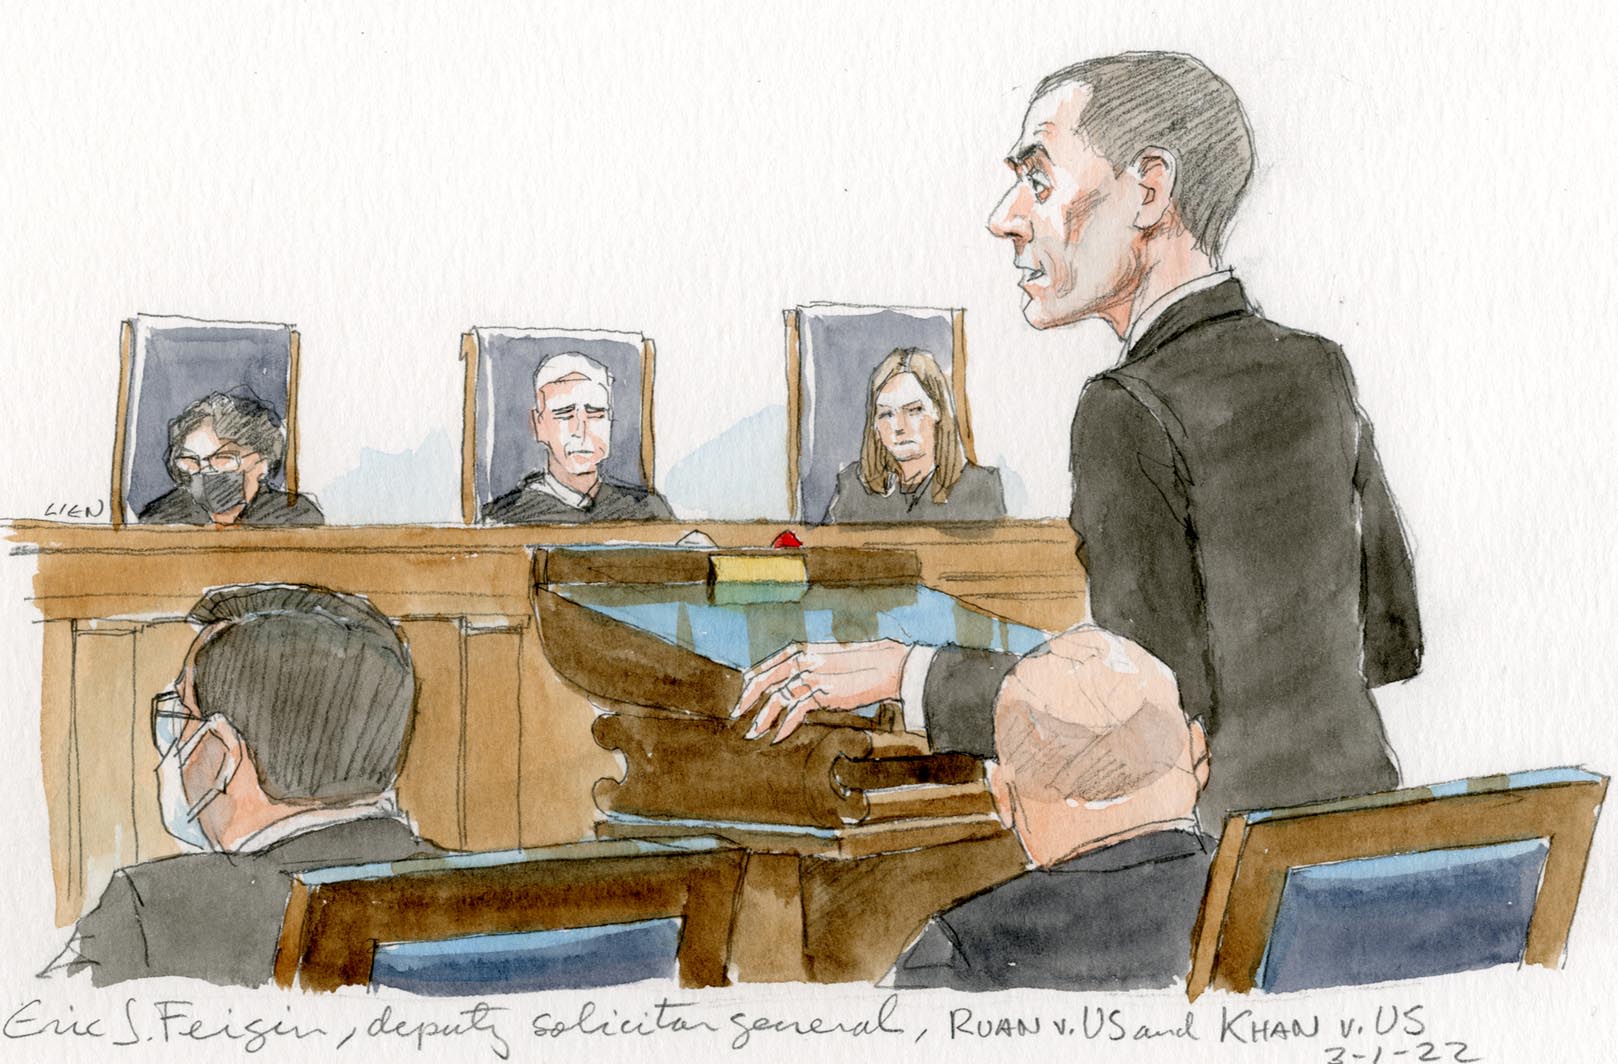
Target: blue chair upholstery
[
  {"x": 171, "y": 362},
  {"x": 1403, "y": 916},
  {"x": 580, "y": 915},
  {"x": 504, "y": 450},
  {"x": 524, "y": 962},
  {"x": 838, "y": 347},
  {"x": 1407, "y": 884}
]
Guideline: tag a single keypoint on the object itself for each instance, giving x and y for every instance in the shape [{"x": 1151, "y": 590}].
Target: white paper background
[{"x": 1434, "y": 192}]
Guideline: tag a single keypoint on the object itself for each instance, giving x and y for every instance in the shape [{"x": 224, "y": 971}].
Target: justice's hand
[{"x": 785, "y": 686}]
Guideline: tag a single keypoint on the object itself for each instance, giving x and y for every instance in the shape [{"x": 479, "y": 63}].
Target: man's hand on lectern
[{"x": 785, "y": 686}]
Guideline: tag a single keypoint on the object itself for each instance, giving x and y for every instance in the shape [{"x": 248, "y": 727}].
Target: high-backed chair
[
  {"x": 831, "y": 351},
  {"x": 498, "y": 447},
  {"x": 167, "y": 363},
  {"x": 559, "y": 917},
  {"x": 1410, "y": 883}
]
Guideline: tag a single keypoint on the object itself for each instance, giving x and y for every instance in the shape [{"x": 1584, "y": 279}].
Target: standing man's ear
[
  {"x": 1154, "y": 171},
  {"x": 533, "y": 423}
]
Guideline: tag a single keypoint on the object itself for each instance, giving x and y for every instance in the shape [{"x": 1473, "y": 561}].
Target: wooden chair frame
[
  {"x": 1258, "y": 849},
  {"x": 333, "y": 926},
  {"x": 469, "y": 408},
  {"x": 795, "y": 389},
  {"x": 126, "y": 365}
]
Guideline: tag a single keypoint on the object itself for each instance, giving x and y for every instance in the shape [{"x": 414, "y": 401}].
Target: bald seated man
[{"x": 1098, "y": 775}]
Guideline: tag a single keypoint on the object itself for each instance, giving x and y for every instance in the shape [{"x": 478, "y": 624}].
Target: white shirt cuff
[{"x": 913, "y": 685}]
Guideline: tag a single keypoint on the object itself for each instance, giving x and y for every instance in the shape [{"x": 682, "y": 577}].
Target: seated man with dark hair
[
  {"x": 280, "y": 742},
  {"x": 1098, "y": 774},
  {"x": 223, "y": 451}
]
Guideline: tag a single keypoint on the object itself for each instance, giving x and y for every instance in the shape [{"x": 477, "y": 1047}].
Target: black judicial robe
[
  {"x": 268, "y": 507},
  {"x": 527, "y": 505},
  {"x": 977, "y": 496}
]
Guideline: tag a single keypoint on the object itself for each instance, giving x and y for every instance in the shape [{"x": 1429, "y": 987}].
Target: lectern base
[{"x": 841, "y": 905}]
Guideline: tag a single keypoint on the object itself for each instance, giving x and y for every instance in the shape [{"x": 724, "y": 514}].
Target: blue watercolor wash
[
  {"x": 565, "y": 959},
  {"x": 1546, "y": 776},
  {"x": 1403, "y": 916},
  {"x": 452, "y": 862},
  {"x": 738, "y": 634},
  {"x": 1543, "y": 777}
]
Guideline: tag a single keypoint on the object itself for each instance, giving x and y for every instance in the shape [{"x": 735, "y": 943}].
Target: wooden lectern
[{"x": 855, "y": 832}]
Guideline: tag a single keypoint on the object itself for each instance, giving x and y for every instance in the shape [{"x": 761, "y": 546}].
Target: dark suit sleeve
[
  {"x": 109, "y": 941},
  {"x": 1132, "y": 514},
  {"x": 1393, "y": 640},
  {"x": 958, "y": 698}
]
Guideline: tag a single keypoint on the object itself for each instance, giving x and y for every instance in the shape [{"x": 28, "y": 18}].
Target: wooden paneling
[
  {"x": 56, "y": 764},
  {"x": 560, "y": 761},
  {"x": 103, "y": 734},
  {"x": 430, "y": 781},
  {"x": 769, "y": 914},
  {"x": 502, "y": 752},
  {"x": 409, "y": 571},
  {"x": 490, "y": 783}
]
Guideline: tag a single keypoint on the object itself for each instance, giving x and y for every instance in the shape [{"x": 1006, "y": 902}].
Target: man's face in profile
[
  {"x": 574, "y": 422},
  {"x": 1068, "y": 216}
]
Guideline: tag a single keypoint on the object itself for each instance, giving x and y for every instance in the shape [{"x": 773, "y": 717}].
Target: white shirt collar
[
  {"x": 557, "y": 490},
  {"x": 1138, "y": 327},
  {"x": 384, "y": 807}
]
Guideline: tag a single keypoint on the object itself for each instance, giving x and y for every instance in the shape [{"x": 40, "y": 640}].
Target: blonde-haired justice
[{"x": 949, "y": 457}]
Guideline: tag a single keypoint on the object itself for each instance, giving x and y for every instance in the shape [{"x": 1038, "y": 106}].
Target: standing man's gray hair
[{"x": 1170, "y": 101}]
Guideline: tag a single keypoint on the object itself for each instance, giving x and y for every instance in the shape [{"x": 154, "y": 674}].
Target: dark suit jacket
[
  {"x": 1114, "y": 919},
  {"x": 1234, "y": 520},
  {"x": 267, "y": 507},
  {"x": 217, "y": 916},
  {"x": 977, "y": 496},
  {"x": 523, "y": 505}
]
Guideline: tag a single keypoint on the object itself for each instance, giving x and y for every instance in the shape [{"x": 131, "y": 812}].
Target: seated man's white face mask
[{"x": 179, "y": 814}]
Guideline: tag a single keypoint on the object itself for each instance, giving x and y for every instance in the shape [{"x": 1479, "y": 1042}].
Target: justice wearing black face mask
[
  {"x": 220, "y": 492},
  {"x": 225, "y": 453}
]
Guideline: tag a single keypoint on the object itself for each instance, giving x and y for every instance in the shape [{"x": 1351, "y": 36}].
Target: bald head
[{"x": 1091, "y": 740}]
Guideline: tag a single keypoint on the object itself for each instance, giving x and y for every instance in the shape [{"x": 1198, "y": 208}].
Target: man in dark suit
[
  {"x": 1231, "y": 509},
  {"x": 280, "y": 743},
  {"x": 1098, "y": 775}
]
